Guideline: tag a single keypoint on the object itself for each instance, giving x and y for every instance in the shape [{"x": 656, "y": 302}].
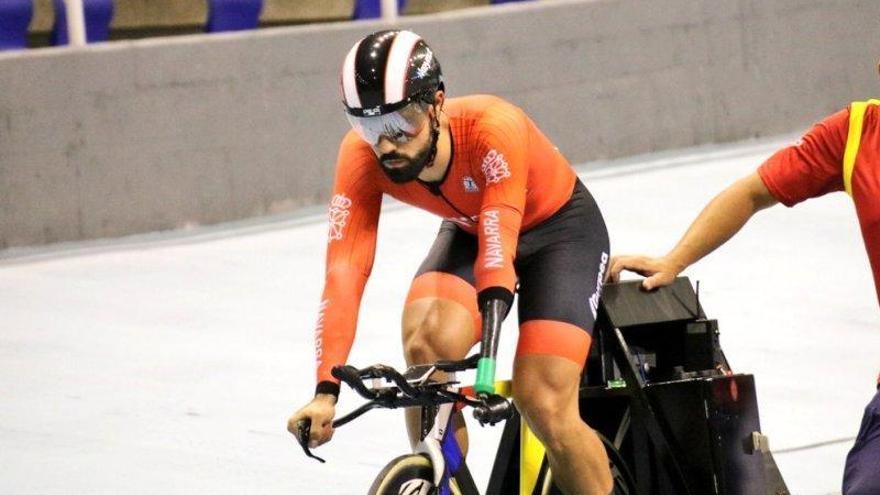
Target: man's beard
[{"x": 411, "y": 170}]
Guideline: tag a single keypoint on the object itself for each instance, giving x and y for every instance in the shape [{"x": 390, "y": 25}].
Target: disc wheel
[{"x": 409, "y": 474}]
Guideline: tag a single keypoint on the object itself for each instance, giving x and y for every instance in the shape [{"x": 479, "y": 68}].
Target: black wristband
[
  {"x": 490, "y": 293},
  {"x": 327, "y": 387}
]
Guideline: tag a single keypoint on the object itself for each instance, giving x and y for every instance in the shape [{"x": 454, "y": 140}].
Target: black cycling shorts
[{"x": 560, "y": 263}]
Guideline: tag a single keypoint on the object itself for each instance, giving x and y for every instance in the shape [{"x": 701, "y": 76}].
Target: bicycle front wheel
[{"x": 410, "y": 474}]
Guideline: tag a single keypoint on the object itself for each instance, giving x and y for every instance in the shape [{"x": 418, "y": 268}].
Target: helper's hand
[
  {"x": 321, "y": 410},
  {"x": 659, "y": 272}
]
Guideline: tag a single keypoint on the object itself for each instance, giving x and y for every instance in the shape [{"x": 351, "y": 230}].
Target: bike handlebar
[
  {"x": 468, "y": 363},
  {"x": 355, "y": 379},
  {"x": 488, "y": 408}
]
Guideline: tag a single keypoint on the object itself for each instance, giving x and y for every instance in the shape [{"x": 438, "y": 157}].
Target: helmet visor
[{"x": 399, "y": 126}]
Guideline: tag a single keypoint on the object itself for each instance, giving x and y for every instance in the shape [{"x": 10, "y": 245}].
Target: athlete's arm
[
  {"x": 723, "y": 217},
  {"x": 351, "y": 247},
  {"x": 353, "y": 218},
  {"x": 503, "y": 137}
]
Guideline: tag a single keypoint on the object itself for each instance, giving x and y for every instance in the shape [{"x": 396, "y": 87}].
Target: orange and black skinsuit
[{"x": 515, "y": 215}]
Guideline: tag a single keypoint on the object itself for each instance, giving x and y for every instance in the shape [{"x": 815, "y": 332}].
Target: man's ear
[{"x": 439, "y": 99}]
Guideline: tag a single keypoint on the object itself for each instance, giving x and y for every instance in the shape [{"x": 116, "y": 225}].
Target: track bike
[
  {"x": 657, "y": 389},
  {"x": 437, "y": 466}
]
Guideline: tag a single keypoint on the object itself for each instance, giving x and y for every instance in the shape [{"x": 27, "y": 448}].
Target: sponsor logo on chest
[
  {"x": 470, "y": 185},
  {"x": 495, "y": 167}
]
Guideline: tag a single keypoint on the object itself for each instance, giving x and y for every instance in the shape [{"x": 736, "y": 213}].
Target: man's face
[
  {"x": 401, "y": 140},
  {"x": 404, "y": 159}
]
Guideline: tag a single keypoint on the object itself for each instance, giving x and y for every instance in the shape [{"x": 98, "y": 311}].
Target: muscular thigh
[
  {"x": 561, "y": 268},
  {"x": 441, "y": 309},
  {"x": 563, "y": 284},
  {"x": 453, "y": 252}
]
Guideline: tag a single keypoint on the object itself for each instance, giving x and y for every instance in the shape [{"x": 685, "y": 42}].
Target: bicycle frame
[
  {"x": 447, "y": 460},
  {"x": 519, "y": 450},
  {"x": 438, "y": 402},
  {"x": 440, "y": 445}
]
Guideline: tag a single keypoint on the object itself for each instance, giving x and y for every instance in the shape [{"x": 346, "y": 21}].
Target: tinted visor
[{"x": 399, "y": 126}]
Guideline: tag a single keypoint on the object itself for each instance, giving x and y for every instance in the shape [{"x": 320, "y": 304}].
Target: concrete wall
[
  {"x": 138, "y": 136},
  {"x": 152, "y": 14}
]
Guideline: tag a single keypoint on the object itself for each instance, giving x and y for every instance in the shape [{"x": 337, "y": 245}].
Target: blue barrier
[
  {"x": 233, "y": 15},
  {"x": 98, "y": 14},
  {"x": 15, "y": 16},
  {"x": 372, "y": 9}
]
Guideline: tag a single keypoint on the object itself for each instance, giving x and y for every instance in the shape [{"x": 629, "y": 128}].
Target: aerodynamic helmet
[{"x": 386, "y": 71}]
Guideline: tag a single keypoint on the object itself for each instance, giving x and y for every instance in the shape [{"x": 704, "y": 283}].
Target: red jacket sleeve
[
  {"x": 812, "y": 167},
  {"x": 503, "y": 138},
  {"x": 351, "y": 246}
]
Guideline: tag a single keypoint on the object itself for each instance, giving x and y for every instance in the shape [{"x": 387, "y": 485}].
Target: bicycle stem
[{"x": 493, "y": 312}]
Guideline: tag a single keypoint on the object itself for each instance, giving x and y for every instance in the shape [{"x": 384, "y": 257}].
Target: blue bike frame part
[{"x": 453, "y": 456}]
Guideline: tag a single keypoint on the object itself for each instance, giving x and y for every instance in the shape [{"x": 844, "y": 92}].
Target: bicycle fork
[{"x": 437, "y": 444}]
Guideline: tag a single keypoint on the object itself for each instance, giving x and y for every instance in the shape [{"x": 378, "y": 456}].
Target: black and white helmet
[{"x": 387, "y": 70}]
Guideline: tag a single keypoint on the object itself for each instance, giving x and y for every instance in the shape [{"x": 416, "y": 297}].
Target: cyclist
[
  {"x": 840, "y": 153},
  {"x": 515, "y": 215}
]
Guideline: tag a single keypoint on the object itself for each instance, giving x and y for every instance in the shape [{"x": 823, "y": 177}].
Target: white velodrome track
[{"x": 169, "y": 363}]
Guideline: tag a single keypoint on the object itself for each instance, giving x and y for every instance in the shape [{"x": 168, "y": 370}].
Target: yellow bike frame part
[{"x": 531, "y": 450}]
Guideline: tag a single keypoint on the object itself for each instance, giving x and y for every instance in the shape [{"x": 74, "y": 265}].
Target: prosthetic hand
[{"x": 494, "y": 304}]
